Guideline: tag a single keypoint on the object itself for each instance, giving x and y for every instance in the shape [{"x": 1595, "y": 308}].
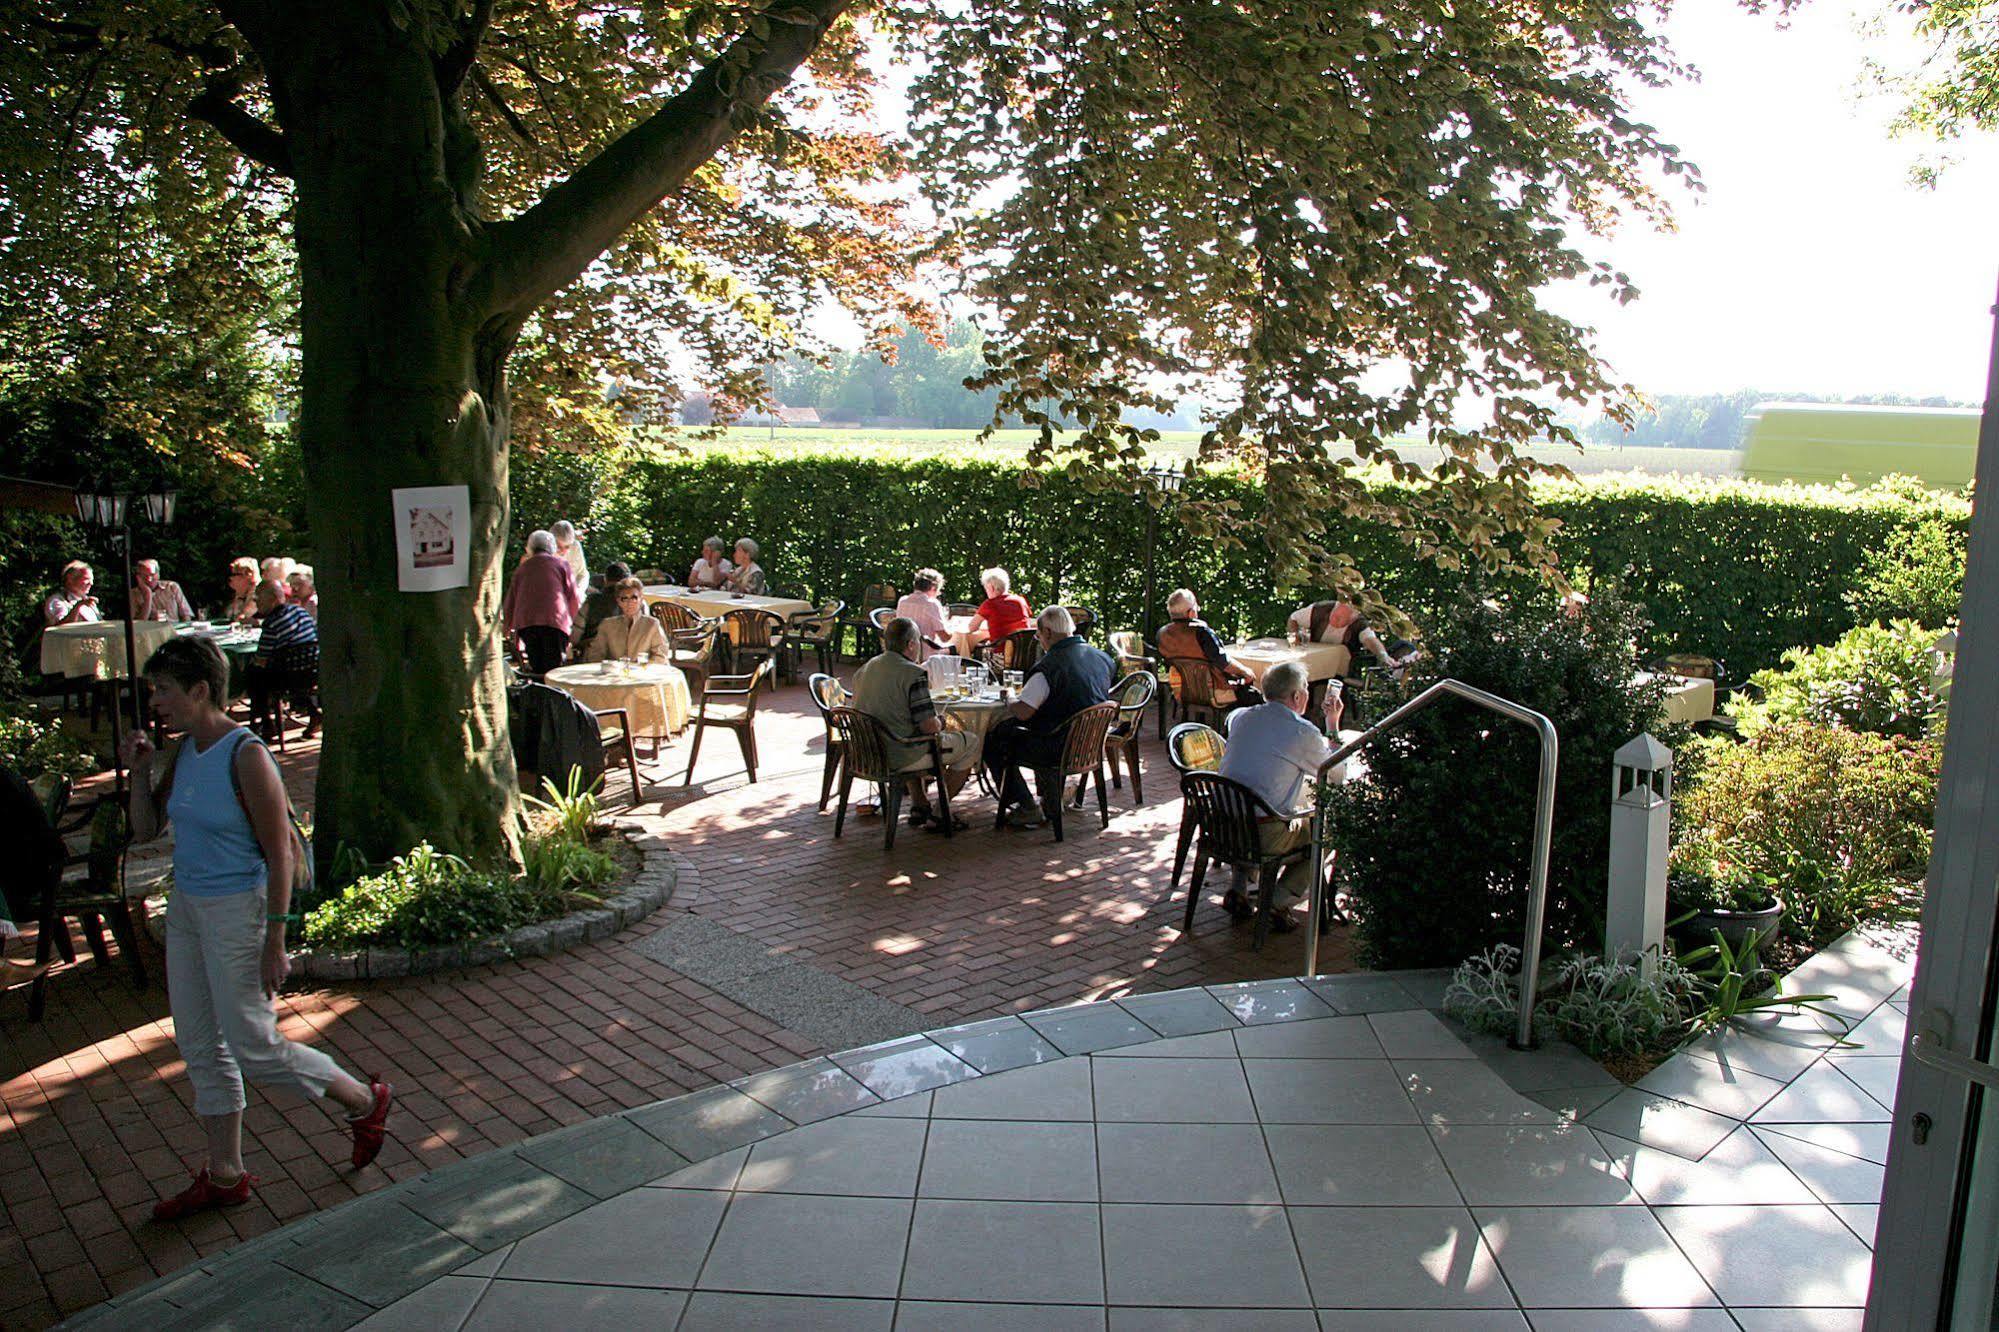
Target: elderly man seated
[
  {"x": 1187, "y": 643},
  {"x": 157, "y": 598},
  {"x": 1275, "y": 749},
  {"x": 1341, "y": 622},
  {"x": 1070, "y": 676},
  {"x": 894, "y": 689}
]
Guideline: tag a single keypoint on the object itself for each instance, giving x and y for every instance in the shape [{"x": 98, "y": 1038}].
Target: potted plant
[{"x": 1708, "y": 893}]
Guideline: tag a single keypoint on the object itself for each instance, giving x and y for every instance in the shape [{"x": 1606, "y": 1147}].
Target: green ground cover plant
[{"x": 1874, "y": 677}]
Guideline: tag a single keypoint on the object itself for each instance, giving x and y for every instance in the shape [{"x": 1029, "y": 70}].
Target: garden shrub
[
  {"x": 1873, "y": 678},
  {"x": 1484, "y": 992},
  {"x": 32, "y": 745},
  {"x": 423, "y": 899},
  {"x": 1835, "y": 819},
  {"x": 1916, "y": 574},
  {"x": 1434, "y": 844},
  {"x": 1608, "y": 1006}
]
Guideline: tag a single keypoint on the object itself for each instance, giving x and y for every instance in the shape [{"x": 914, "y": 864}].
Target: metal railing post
[{"x": 1544, "y": 832}]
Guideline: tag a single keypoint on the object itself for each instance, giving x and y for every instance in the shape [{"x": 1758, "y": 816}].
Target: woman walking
[{"x": 233, "y": 862}]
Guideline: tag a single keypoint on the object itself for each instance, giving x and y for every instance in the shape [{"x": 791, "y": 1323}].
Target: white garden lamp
[{"x": 1641, "y": 818}]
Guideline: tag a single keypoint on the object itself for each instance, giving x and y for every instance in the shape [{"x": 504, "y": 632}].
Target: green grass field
[{"x": 1599, "y": 459}]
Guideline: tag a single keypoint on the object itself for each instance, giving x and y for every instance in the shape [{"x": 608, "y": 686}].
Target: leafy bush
[
  {"x": 1611, "y": 1007},
  {"x": 1704, "y": 877},
  {"x": 32, "y": 746},
  {"x": 1872, "y": 679},
  {"x": 1836, "y": 819},
  {"x": 572, "y": 810},
  {"x": 1434, "y": 844},
  {"x": 425, "y": 899},
  {"x": 557, "y": 866},
  {"x": 1917, "y": 573},
  {"x": 1484, "y": 992}
]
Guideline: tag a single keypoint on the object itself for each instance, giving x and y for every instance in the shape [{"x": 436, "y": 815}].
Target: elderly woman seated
[
  {"x": 894, "y": 689},
  {"x": 1342, "y": 623},
  {"x": 748, "y": 577},
  {"x": 304, "y": 593},
  {"x": 631, "y": 632},
  {"x": 712, "y": 570},
  {"x": 1003, "y": 612},
  {"x": 72, "y": 602},
  {"x": 242, "y": 607},
  {"x": 927, "y": 610}
]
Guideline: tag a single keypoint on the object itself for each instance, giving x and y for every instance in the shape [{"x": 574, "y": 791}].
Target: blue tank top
[{"x": 216, "y": 852}]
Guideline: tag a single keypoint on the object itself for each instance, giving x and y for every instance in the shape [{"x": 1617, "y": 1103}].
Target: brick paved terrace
[{"x": 779, "y": 942}]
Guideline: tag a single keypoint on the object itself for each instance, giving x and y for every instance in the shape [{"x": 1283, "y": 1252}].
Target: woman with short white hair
[
  {"x": 563, "y": 533},
  {"x": 749, "y": 575},
  {"x": 1002, "y": 612},
  {"x": 712, "y": 570}
]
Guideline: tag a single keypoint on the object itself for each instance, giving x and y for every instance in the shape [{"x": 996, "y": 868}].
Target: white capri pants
[{"x": 223, "y": 1021}]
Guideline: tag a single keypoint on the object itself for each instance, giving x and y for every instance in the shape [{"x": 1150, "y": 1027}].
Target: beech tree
[{"x": 1339, "y": 217}]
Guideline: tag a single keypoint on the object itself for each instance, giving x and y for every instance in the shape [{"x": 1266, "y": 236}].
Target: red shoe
[
  {"x": 368, "y": 1128},
  {"x": 202, "y": 1195}
]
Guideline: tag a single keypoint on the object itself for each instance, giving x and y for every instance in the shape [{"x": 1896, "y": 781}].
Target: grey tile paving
[
  {"x": 1417, "y": 1034},
  {"x": 1205, "y": 1045},
  {"x": 1184, "y": 1163},
  {"x": 1316, "y": 1038},
  {"x": 1630, "y": 1320},
  {"x": 1043, "y": 1252},
  {"x": 1869, "y": 1142},
  {"x": 1882, "y": 1033},
  {"x": 1821, "y": 1095},
  {"x": 717, "y": 1172},
  {"x": 1328, "y": 1091},
  {"x": 277, "y": 1298},
  {"x": 1659, "y": 1121},
  {"x": 1426, "y": 986},
  {"x": 1575, "y": 1102},
  {"x": 1833, "y": 1177},
  {"x": 903, "y": 1068},
  {"x": 1428, "y": 1320},
  {"x": 439, "y": 1307},
  {"x": 1803, "y": 1256},
  {"x": 648, "y": 1237},
  {"x": 1255, "y": 1002},
  {"x": 1451, "y": 1091},
  {"x": 1875, "y": 1075},
  {"x": 1397, "y": 1258},
  {"x": 494, "y": 1200},
  {"x": 604, "y": 1157},
  {"x": 1555, "y": 1065},
  {"x": 379, "y": 1251},
  {"x": 903, "y": 1107},
  {"x": 1060, "y": 1090},
  {"x": 511, "y": 1305},
  {"x": 708, "y": 1122},
  {"x": 1774, "y": 1054},
  {"x": 1003, "y": 1159},
  {"x": 1213, "y": 1320},
  {"x": 1359, "y": 1165},
  {"x": 1178, "y": 1012},
  {"x": 1563, "y": 1165},
  {"x": 1730, "y": 1091},
  {"x": 710, "y": 1311},
  {"x": 998, "y": 1051},
  {"x": 1190, "y": 1091},
  {"x": 932, "y": 1316},
  {"x": 876, "y": 1157},
  {"x": 1739, "y": 1170},
  {"x": 808, "y": 1092},
  {"x": 1799, "y": 1320},
  {"x": 1088, "y": 1027},
  {"x": 1361, "y": 994},
  {"x": 786, "y": 1244},
  {"x": 1201, "y": 1257},
  {"x": 1860, "y": 1219},
  {"x": 1591, "y": 1257},
  {"x": 486, "y": 1264}
]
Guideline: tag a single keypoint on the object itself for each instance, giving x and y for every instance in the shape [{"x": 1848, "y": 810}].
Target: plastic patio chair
[
  {"x": 815, "y": 630},
  {"x": 866, "y": 741},
  {"x": 1226, "y": 815},
  {"x": 1133, "y": 695},
  {"x": 730, "y": 702},
  {"x": 828, "y": 693},
  {"x": 1191, "y": 747},
  {"x": 1082, "y": 756}
]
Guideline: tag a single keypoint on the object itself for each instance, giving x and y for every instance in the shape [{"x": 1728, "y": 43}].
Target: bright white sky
[{"x": 1811, "y": 264}]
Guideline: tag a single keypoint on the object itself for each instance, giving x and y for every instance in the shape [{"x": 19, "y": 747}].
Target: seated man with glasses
[{"x": 1070, "y": 676}]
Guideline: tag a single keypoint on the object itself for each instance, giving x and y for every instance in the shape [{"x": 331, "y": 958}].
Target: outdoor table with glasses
[
  {"x": 1323, "y": 661},
  {"x": 714, "y": 605},
  {"x": 97, "y": 649},
  {"x": 654, "y": 695},
  {"x": 959, "y": 627}
]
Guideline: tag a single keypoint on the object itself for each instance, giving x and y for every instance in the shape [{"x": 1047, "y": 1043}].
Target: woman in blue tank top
[{"x": 233, "y": 861}]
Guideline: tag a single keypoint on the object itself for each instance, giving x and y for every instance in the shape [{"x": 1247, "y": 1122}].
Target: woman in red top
[{"x": 1002, "y": 612}]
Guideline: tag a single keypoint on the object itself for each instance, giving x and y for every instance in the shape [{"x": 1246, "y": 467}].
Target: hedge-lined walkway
[{"x": 98, "y": 1113}]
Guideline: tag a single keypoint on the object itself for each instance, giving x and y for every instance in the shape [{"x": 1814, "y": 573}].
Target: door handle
[{"x": 1928, "y": 1048}]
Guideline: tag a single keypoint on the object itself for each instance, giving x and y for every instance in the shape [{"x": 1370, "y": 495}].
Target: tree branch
[
  {"x": 456, "y": 63},
  {"x": 486, "y": 86},
  {"x": 539, "y": 252},
  {"x": 253, "y": 138}
]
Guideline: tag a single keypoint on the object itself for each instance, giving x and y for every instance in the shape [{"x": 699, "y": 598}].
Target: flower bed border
[{"x": 649, "y": 890}]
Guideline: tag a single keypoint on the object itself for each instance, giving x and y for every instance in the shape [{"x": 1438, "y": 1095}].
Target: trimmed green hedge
[{"x": 1726, "y": 568}]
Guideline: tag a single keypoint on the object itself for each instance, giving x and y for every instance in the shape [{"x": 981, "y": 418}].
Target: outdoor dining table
[
  {"x": 959, "y": 627},
  {"x": 1323, "y": 661},
  {"x": 97, "y": 649},
  {"x": 974, "y": 716},
  {"x": 715, "y": 604},
  {"x": 1689, "y": 699},
  {"x": 654, "y": 695}
]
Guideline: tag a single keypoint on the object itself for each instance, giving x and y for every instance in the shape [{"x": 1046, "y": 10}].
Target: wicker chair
[
  {"x": 1191, "y": 747},
  {"x": 1225, "y": 813},
  {"x": 752, "y": 636},
  {"x": 865, "y": 741},
  {"x": 730, "y": 702},
  {"x": 1082, "y": 756},
  {"x": 675, "y": 618},
  {"x": 874, "y": 597},
  {"x": 813, "y": 630},
  {"x": 828, "y": 693}
]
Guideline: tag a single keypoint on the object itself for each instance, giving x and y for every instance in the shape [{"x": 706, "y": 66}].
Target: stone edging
[{"x": 651, "y": 889}]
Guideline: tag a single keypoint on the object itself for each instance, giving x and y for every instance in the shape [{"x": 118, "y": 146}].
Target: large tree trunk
[{"x": 403, "y": 385}]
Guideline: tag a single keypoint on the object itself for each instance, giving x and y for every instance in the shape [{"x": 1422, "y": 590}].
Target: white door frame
[{"x": 1922, "y": 1199}]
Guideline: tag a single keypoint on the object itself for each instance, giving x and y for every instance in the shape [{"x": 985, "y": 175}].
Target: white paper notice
[{"x": 433, "y": 537}]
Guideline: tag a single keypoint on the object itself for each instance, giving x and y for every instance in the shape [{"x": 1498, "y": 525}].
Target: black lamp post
[
  {"x": 104, "y": 509},
  {"x": 1166, "y": 478}
]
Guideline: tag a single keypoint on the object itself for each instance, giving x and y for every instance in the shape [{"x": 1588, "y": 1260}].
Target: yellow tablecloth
[
  {"x": 98, "y": 649},
  {"x": 974, "y": 717},
  {"x": 654, "y": 694},
  {"x": 1688, "y": 699},
  {"x": 717, "y": 604},
  {"x": 1323, "y": 661}
]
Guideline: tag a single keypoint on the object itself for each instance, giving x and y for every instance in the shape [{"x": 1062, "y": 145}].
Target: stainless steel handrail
[{"x": 1544, "y": 832}]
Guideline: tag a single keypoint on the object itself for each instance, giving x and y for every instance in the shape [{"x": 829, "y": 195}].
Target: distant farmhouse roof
[{"x": 798, "y": 416}]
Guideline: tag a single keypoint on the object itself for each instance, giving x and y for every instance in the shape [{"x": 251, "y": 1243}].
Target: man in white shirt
[{"x": 1275, "y": 749}]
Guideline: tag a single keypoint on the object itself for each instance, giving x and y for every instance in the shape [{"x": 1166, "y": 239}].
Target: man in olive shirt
[{"x": 895, "y": 690}]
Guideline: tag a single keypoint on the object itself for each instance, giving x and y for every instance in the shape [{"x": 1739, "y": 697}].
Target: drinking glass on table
[{"x": 644, "y": 658}]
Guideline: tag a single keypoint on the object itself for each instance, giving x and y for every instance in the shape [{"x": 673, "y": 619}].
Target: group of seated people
[
  {"x": 1186, "y": 640},
  {"x": 714, "y": 571},
  {"x": 290, "y": 580},
  {"x": 1002, "y": 613}
]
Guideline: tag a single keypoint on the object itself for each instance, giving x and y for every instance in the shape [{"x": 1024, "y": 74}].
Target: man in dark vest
[{"x": 1070, "y": 676}]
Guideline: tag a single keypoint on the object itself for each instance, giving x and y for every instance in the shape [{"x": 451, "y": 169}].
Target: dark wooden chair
[
  {"x": 1191, "y": 747},
  {"x": 276, "y": 692},
  {"x": 730, "y": 702},
  {"x": 812, "y": 631},
  {"x": 859, "y": 618},
  {"x": 753, "y": 636},
  {"x": 1082, "y": 756},
  {"x": 693, "y": 653},
  {"x": 42, "y": 887},
  {"x": 1226, "y": 815},
  {"x": 1085, "y": 618},
  {"x": 619, "y": 743},
  {"x": 865, "y": 742},
  {"x": 1018, "y": 651},
  {"x": 828, "y": 693},
  {"x": 674, "y": 618}
]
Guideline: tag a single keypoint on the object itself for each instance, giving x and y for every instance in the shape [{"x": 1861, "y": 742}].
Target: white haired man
[
  {"x": 1275, "y": 749},
  {"x": 1188, "y": 644},
  {"x": 1070, "y": 676},
  {"x": 157, "y": 598}
]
